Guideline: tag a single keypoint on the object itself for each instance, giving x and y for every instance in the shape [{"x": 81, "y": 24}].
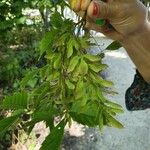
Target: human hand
[{"x": 128, "y": 17}]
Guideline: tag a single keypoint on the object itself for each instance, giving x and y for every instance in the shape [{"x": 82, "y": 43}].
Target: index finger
[{"x": 79, "y": 5}]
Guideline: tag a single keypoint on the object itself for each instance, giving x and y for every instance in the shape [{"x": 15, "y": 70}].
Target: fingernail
[{"x": 95, "y": 9}]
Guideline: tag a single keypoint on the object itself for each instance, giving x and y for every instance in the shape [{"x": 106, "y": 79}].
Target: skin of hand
[
  {"x": 126, "y": 16},
  {"x": 131, "y": 27}
]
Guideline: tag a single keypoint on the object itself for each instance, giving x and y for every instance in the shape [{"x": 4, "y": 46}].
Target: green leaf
[
  {"x": 83, "y": 67},
  {"x": 86, "y": 115},
  {"x": 53, "y": 140},
  {"x": 99, "y": 80},
  {"x": 42, "y": 116},
  {"x": 56, "y": 20},
  {"x": 40, "y": 92},
  {"x": 92, "y": 58},
  {"x": 113, "y": 121},
  {"x": 84, "y": 43},
  {"x": 70, "y": 47},
  {"x": 114, "y": 46},
  {"x": 50, "y": 55},
  {"x": 97, "y": 67},
  {"x": 28, "y": 78},
  {"x": 69, "y": 85},
  {"x": 80, "y": 90},
  {"x": 115, "y": 110},
  {"x": 53, "y": 76},
  {"x": 57, "y": 62},
  {"x": 16, "y": 101},
  {"x": 6, "y": 123},
  {"x": 38, "y": 116},
  {"x": 21, "y": 20},
  {"x": 73, "y": 63},
  {"x": 47, "y": 42},
  {"x": 101, "y": 121},
  {"x": 105, "y": 83},
  {"x": 112, "y": 104}
]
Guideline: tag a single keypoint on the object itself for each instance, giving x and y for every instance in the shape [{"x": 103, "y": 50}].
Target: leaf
[
  {"x": 92, "y": 58},
  {"x": 47, "y": 42},
  {"x": 72, "y": 43},
  {"x": 73, "y": 63},
  {"x": 114, "y": 46},
  {"x": 105, "y": 83},
  {"x": 101, "y": 122},
  {"x": 21, "y": 20},
  {"x": 70, "y": 48},
  {"x": 80, "y": 90},
  {"x": 32, "y": 83},
  {"x": 50, "y": 55},
  {"x": 99, "y": 80},
  {"x": 83, "y": 67},
  {"x": 97, "y": 67},
  {"x": 53, "y": 140},
  {"x": 115, "y": 110},
  {"x": 53, "y": 76},
  {"x": 18, "y": 112},
  {"x": 38, "y": 116},
  {"x": 28, "y": 78},
  {"x": 57, "y": 62},
  {"x": 6, "y": 123},
  {"x": 84, "y": 43},
  {"x": 56, "y": 20},
  {"x": 113, "y": 121},
  {"x": 112, "y": 104},
  {"x": 40, "y": 92},
  {"x": 86, "y": 115},
  {"x": 16, "y": 101},
  {"x": 69, "y": 85}
]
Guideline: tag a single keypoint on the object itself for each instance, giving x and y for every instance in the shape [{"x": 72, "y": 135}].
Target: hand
[{"x": 128, "y": 17}]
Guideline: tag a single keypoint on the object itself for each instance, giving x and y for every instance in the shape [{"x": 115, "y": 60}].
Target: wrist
[{"x": 137, "y": 46}]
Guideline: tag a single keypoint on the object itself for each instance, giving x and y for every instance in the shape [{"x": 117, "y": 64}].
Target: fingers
[
  {"x": 75, "y": 5},
  {"x": 99, "y": 9},
  {"x": 79, "y": 5},
  {"x": 113, "y": 34},
  {"x": 95, "y": 8},
  {"x": 85, "y": 4}
]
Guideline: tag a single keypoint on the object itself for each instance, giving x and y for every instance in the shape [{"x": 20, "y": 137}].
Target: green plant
[{"x": 68, "y": 86}]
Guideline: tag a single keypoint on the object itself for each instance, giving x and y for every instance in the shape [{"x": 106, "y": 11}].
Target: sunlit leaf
[
  {"x": 70, "y": 47},
  {"x": 92, "y": 58},
  {"x": 83, "y": 67},
  {"x": 97, "y": 67},
  {"x": 57, "y": 62},
  {"x": 73, "y": 63},
  {"x": 69, "y": 85},
  {"x": 113, "y": 121}
]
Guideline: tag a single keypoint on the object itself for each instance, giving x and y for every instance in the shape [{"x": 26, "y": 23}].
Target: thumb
[{"x": 99, "y": 9}]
